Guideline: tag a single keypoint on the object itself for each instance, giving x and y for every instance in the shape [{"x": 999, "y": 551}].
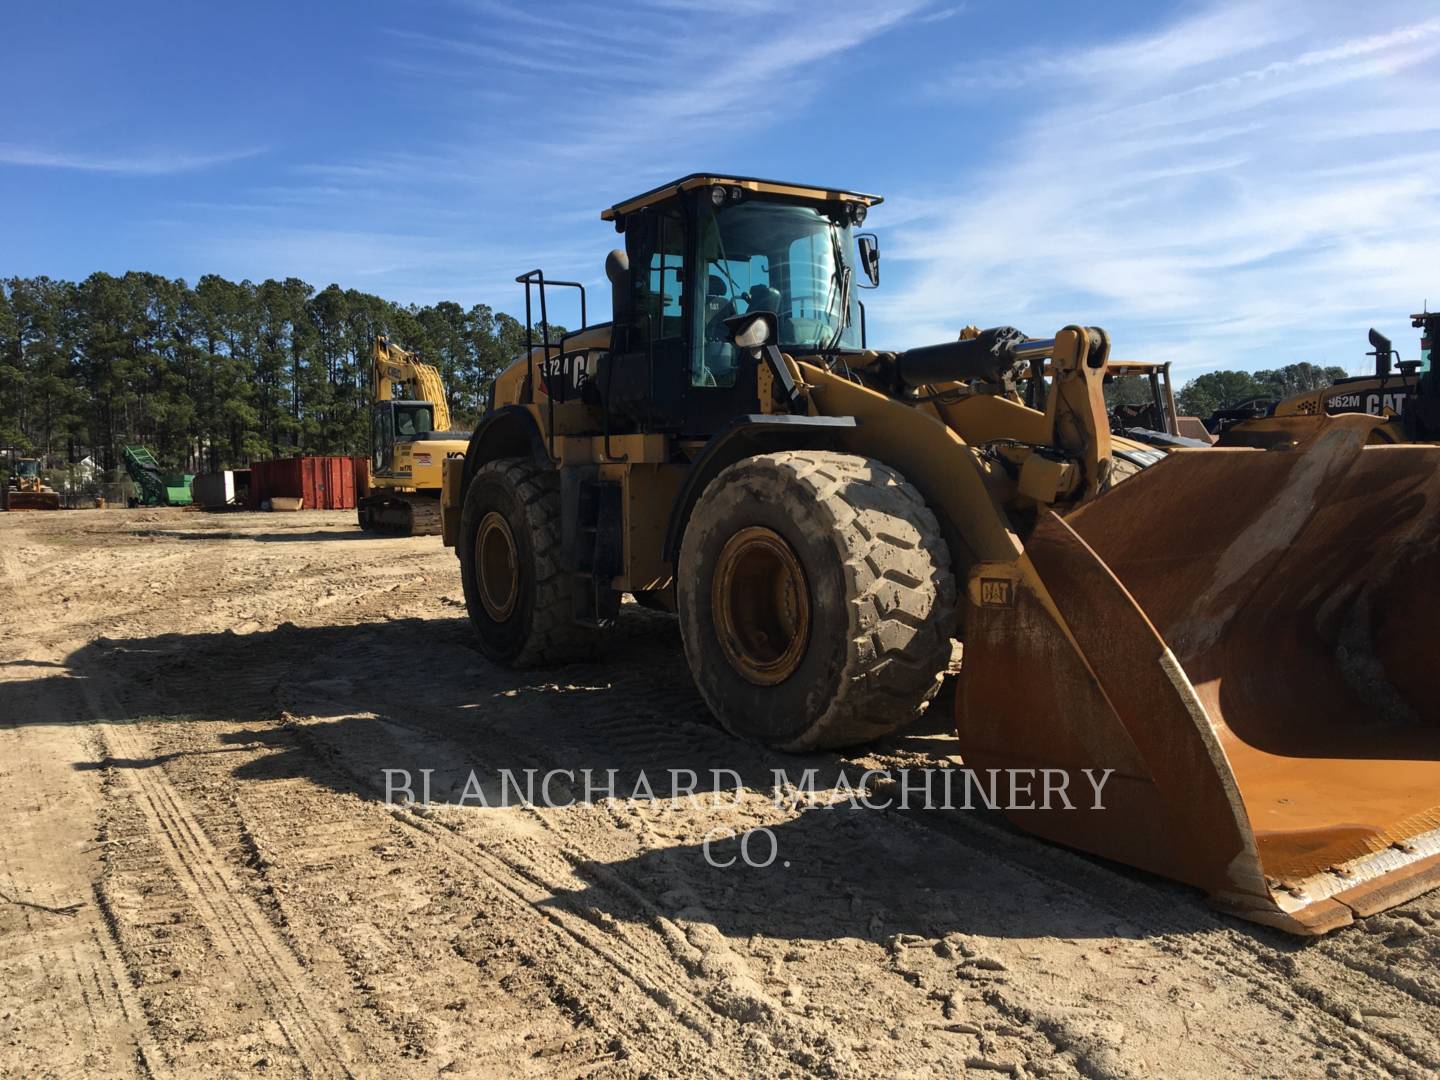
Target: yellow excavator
[
  {"x": 412, "y": 439},
  {"x": 1235, "y": 638},
  {"x": 25, "y": 490}
]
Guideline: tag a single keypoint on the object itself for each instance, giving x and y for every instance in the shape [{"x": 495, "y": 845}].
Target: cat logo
[
  {"x": 1384, "y": 404},
  {"x": 995, "y": 592}
]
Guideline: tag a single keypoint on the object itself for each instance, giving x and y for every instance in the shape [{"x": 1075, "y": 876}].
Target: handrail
[{"x": 537, "y": 277}]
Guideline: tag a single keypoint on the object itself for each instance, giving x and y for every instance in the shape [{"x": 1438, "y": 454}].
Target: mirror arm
[{"x": 794, "y": 400}]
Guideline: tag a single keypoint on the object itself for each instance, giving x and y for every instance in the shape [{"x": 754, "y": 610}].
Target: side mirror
[
  {"x": 869, "y": 258},
  {"x": 753, "y": 330}
]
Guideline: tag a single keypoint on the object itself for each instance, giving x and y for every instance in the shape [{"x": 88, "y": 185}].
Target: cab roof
[{"x": 748, "y": 183}]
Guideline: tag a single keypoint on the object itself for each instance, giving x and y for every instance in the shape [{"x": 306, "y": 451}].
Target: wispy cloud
[
  {"x": 158, "y": 163},
  {"x": 684, "y": 73},
  {"x": 1239, "y": 188},
  {"x": 549, "y": 112},
  {"x": 941, "y": 14}
]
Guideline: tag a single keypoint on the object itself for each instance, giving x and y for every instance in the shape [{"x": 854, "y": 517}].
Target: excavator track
[{"x": 400, "y": 514}]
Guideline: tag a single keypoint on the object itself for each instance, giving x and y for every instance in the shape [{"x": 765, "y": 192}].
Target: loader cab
[
  {"x": 702, "y": 250},
  {"x": 399, "y": 422}
]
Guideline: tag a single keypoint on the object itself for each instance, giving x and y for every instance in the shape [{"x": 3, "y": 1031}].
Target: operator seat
[
  {"x": 718, "y": 365},
  {"x": 718, "y": 308},
  {"x": 764, "y": 298}
]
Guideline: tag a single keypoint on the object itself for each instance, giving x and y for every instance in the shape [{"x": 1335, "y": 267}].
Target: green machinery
[{"x": 156, "y": 488}]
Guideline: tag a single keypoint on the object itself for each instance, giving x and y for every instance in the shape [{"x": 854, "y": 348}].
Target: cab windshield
[
  {"x": 761, "y": 256},
  {"x": 29, "y": 468},
  {"x": 412, "y": 420}
]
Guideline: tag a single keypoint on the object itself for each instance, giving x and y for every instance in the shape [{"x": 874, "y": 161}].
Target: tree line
[
  {"x": 221, "y": 373},
  {"x": 1205, "y": 394}
]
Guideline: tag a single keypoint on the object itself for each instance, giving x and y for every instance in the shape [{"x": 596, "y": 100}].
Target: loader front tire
[
  {"x": 815, "y": 599},
  {"x": 516, "y": 590}
]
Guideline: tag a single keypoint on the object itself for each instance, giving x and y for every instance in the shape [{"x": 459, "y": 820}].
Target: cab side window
[
  {"x": 658, "y": 243},
  {"x": 384, "y": 438}
]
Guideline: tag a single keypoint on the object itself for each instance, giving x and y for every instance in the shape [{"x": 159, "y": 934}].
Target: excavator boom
[{"x": 393, "y": 365}]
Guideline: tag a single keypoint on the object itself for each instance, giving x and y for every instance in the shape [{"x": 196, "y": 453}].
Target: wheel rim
[
  {"x": 760, "y": 603},
  {"x": 497, "y": 566}
]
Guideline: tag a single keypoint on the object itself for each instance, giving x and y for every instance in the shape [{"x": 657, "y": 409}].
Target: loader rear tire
[
  {"x": 844, "y": 577},
  {"x": 511, "y": 518}
]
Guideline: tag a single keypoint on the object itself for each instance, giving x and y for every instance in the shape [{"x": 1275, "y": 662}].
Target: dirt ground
[{"x": 200, "y": 874}]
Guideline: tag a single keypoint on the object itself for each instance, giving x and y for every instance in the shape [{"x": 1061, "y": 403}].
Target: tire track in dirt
[
  {"x": 529, "y": 887},
  {"x": 348, "y": 844},
  {"x": 245, "y": 942},
  {"x": 529, "y": 890},
  {"x": 131, "y": 750},
  {"x": 726, "y": 985},
  {"x": 80, "y": 951},
  {"x": 246, "y": 948},
  {"x": 521, "y": 891}
]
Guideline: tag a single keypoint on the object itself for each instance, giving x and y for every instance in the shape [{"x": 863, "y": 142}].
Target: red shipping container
[{"x": 321, "y": 483}]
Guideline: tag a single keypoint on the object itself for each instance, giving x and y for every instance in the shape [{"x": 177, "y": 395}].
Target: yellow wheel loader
[
  {"x": 1402, "y": 399},
  {"x": 412, "y": 440},
  {"x": 25, "y": 490},
  {"x": 1242, "y": 636},
  {"x": 1156, "y": 422}
]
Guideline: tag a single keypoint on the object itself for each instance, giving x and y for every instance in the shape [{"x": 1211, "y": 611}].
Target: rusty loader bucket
[{"x": 1248, "y": 638}]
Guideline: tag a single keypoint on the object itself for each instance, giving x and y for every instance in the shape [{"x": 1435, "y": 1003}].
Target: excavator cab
[{"x": 399, "y": 422}]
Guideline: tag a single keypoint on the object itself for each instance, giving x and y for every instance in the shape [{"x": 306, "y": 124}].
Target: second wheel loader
[
  {"x": 1403, "y": 405},
  {"x": 1236, "y": 633},
  {"x": 25, "y": 489}
]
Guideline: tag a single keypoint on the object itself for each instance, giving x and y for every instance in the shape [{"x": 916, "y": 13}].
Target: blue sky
[{"x": 1218, "y": 184}]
